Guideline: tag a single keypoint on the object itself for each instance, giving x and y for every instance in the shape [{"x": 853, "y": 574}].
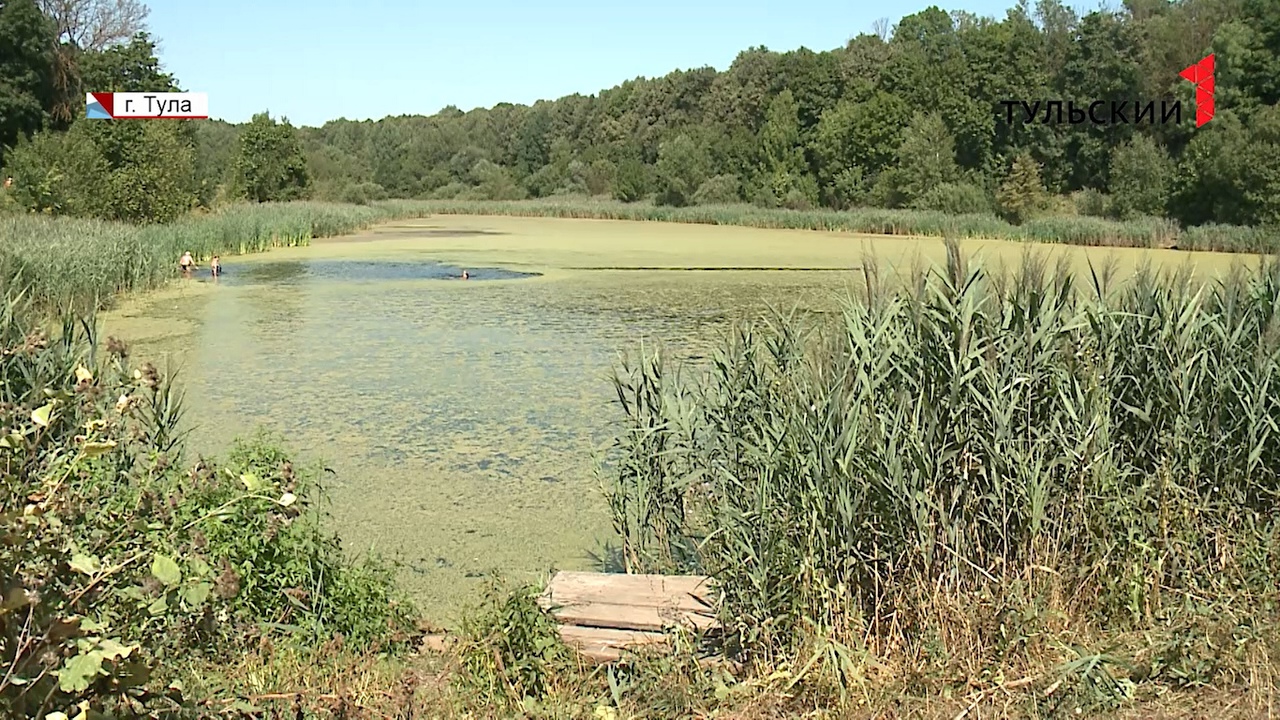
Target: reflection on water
[{"x": 460, "y": 418}]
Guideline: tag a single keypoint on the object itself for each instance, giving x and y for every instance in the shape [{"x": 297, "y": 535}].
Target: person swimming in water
[{"x": 187, "y": 263}]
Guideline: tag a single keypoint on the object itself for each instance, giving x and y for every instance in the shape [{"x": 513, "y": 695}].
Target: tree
[
  {"x": 1141, "y": 175},
  {"x": 82, "y": 28},
  {"x": 782, "y": 168},
  {"x": 1022, "y": 194},
  {"x": 926, "y": 158},
  {"x": 682, "y": 167},
  {"x": 60, "y": 173},
  {"x": 96, "y": 24},
  {"x": 270, "y": 166},
  {"x": 26, "y": 37}
]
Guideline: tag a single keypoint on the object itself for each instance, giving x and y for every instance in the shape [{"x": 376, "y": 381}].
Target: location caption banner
[{"x": 147, "y": 106}]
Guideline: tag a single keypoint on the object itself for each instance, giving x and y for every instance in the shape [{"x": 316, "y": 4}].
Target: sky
[{"x": 319, "y": 60}]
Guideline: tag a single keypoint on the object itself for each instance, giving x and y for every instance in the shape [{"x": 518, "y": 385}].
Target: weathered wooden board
[
  {"x": 632, "y": 617},
  {"x": 607, "y": 644},
  {"x": 601, "y": 613},
  {"x": 682, "y": 592}
]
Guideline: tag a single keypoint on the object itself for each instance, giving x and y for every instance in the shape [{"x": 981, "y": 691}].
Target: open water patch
[{"x": 293, "y": 272}]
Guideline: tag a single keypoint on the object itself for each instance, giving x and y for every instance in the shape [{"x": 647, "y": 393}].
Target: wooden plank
[
  {"x": 631, "y": 617},
  {"x": 687, "y": 593},
  {"x": 607, "y": 645}
]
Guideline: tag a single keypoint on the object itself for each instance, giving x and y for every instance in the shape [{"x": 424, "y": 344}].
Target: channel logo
[{"x": 1202, "y": 75}]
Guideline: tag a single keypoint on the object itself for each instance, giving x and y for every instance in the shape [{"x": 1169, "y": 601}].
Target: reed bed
[
  {"x": 967, "y": 470},
  {"x": 1074, "y": 230},
  {"x": 76, "y": 264}
]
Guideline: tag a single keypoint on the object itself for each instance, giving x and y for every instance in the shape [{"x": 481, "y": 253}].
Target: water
[{"x": 460, "y": 418}]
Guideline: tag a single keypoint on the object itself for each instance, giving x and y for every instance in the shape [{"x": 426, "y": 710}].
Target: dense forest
[{"x": 907, "y": 117}]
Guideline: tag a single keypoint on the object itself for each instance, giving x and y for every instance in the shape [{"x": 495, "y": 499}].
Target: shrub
[
  {"x": 1090, "y": 202},
  {"x": 363, "y": 193},
  {"x": 719, "y": 190},
  {"x": 955, "y": 199},
  {"x": 123, "y": 563},
  {"x": 510, "y": 648}
]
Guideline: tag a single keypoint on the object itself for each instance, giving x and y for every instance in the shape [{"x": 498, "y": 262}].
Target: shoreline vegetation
[
  {"x": 1079, "y": 516},
  {"x": 1054, "y": 229},
  {"x": 68, "y": 262}
]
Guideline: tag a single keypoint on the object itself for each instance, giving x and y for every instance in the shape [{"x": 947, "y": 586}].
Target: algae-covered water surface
[{"x": 460, "y": 416}]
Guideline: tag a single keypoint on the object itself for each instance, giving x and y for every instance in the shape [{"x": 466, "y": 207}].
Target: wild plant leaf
[
  {"x": 195, "y": 594},
  {"x": 166, "y": 570},
  {"x": 83, "y": 374},
  {"x": 79, "y": 672},
  {"x": 160, "y": 606},
  {"x": 252, "y": 482},
  {"x": 199, "y": 567},
  {"x": 87, "y": 564},
  {"x": 113, "y": 650},
  {"x": 40, "y": 415}
]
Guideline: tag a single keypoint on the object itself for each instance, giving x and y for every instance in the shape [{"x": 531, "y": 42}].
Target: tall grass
[
  {"x": 1075, "y": 230},
  {"x": 967, "y": 465},
  {"x": 83, "y": 264}
]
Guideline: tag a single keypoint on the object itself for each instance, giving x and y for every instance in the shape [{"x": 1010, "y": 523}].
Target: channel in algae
[{"x": 460, "y": 417}]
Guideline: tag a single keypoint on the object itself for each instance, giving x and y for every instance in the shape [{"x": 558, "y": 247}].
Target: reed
[
  {"x": 77, "y": 264},
  {"x": 962, "y": 461},
  {"x": 1072, "y": 229}
]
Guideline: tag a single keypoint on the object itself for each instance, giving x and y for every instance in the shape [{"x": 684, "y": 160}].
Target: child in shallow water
[{"x": 215, "y": 267}]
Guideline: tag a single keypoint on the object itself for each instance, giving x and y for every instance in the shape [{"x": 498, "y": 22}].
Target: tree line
[{"x": 914, "y": 117}]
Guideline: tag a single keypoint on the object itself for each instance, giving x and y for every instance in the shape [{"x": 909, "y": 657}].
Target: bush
[
  {"x": 363, "y": 193},
  {"x": 511, "y": 648},
  {"x": 719, "y": 190},
  {"x": 123, "y": 563},
  {"x": 1090, "y": 202},
  {"x": 955, "y": 199}
]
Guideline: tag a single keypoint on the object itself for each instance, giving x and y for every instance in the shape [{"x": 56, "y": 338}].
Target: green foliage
[
  {"x": 511, "y": 648},
  {"x": 926, "y": 159},
  {"x": 859, "y": 476},
  {"x": 1141, "y": 178},
  {"x": 270, "y": 166},
  {"x": 60, "y": 174},
  {"x": 1090, "y": 202},
  {"x": 1021, "y": 196},
  {"x": 84, "y": 264},
  {"x": 119, "y": 564},
  {"x": 955, "y": 198},
  {"x": 681, "y": 170},
  {"x": 632, "y": 181},
  {"x": 719, "y": 190},
  {"x": 26, "y": 68}
]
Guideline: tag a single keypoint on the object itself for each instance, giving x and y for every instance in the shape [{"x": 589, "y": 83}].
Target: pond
[{"x": 460, "y": 418}]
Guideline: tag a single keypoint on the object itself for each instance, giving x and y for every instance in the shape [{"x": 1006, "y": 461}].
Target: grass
[
  {"x": 1075, "y": 230},
  {"x": 86, "y": 264},
  {"x": 1069, "y": 481}
]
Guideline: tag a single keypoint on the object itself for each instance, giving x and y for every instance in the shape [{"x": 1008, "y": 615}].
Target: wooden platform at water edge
[{"x": 601, "y": 614}]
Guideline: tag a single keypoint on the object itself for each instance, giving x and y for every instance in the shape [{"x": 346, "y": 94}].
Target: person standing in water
[
  {"x": 187, "y": 263},
  {"x": 466, "y": 275},
  {"x": 215, "y": 267}
]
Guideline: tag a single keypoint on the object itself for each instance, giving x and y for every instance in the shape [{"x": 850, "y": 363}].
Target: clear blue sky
[{"x": 320, "y": 60}]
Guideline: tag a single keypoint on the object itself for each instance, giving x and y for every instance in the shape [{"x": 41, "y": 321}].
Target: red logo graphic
[{"x": 1202, "y": 75}]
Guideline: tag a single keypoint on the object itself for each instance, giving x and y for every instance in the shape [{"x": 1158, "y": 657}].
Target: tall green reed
[
  {"x": 965, "y": 435},
  {"x": 83, "y": 264}
]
